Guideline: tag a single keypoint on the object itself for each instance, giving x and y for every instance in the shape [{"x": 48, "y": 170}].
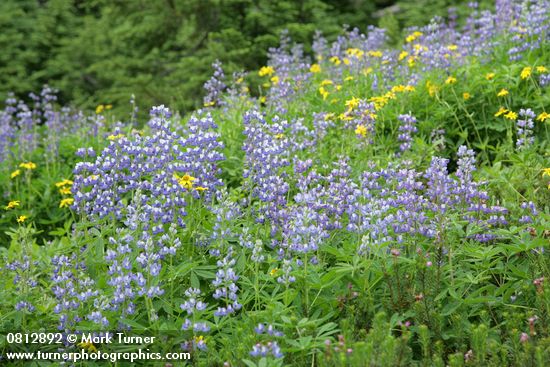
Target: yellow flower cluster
[
  {"x": 361, "y": 130},
  {"x": 510, "y": 115},
  {"x": 450, "y": 80},
  {"x": 64, "y": 187},
  {"x": 115, "y": 137},
  {"x": 381, "y": 101},
  {"x": 503, "y": 93},
  {"x": 65, "y": 203},
  {"x": 355, "y": 52},
  {"x": 402, "y": 88},
  {"x": 352, "y": 103},
  {"x": 315, "y": 68},
  {"x": 15, "y": 173},
  {"x": 323, "y": 89},
  {"x": 526, "y": 72},
  {"x": 28, "y": 165},
  {"x": 432, "y": 88},
  {"x": 323, "y": 92},
  {"x": 12, "y": 204},
  {"x": 413, "y": 36},
  {"x": 187, "y": 181},
  {"x": 546, "y": 172},
  {"x": 90, "y": 347},
  {"x": 375, "y": 53},
  {"x": 335, "y": 60},
  {"x": 266, "y": 70},
  {"x": 99, "y": 109}
]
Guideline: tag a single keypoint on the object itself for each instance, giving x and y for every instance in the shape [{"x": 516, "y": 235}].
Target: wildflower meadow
[{"x": 364, "y": 204}]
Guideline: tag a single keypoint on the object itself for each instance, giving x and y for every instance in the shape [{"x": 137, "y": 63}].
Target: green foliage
[
  {"x": 446, "y": 300},
  {"x": 102, "y": 52}
]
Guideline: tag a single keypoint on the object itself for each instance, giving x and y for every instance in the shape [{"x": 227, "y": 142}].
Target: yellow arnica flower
[
  {"x": 503, "y": 92},
  {"x": 490, "y": 76},
  {"x": 511, "y": 115},
  {"x": 199, "y": 339},
  {"x": 326, "y": 82},
  {"x": 335, "y": 60},
  {"x": 65, "y": 203},
  {"x": 452, "y": 47},
  {"x": 266, "y": 70},
  {"x": 413, "y": 36},
  {"x": 315, "y": 68},
  {"x": 210, "y": 104},
  {"x": 263, "y": 99},
  {"x": 526, "y": 72},
  {"x": 115, "y": 137},
  {"x": 90, "y": 347},
  {"x": 466, "y": 96},
  {"x": 108, "y": 107},
  {"x": 329, "y": 116},
  {"x": 390, "y": 95},
  {"x": 274, "y": 79},
  {"x": 345, "y": 117},
  {"x": 450, "y": 80},
  {"x": 432, "y": 88},
  {"x": 273, "y": 271},
  {"x": 402, "y": 55},
  {"x": 200, "y": 188},
  {"x": 354, "y": 52},
  {"x": 22, "y": 218},
  {"x": 543, "y": 116},
  {"x": 65, "y": 182},
  {"x": 185, "y": 180},
  {"x": 419, "y": 48},
  {"x": 361, "y": 130},
  {"x": 279, "y": 136},
  {"x": 367, "y": 71},
  {"x": 352, "y": 103},
  {"x": 375, "y": 53},
  {"x": 12, "y": 204},
  {"x": 398, "y": 88},
  {"x": 546, "y": 172},
  {"x": 542, "y": 69},
  {"x": 501, "y": 111},
  {"x": 99, "y": 109},
  {"x": 28, "y": 165},
  {"x": 348, "y": 78},
  {"x": 15, "y": 173},
  {"x": 65, "y": 191},
  {"x": 379, "y": 101},
  {"x": 323, "y": 92}
]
